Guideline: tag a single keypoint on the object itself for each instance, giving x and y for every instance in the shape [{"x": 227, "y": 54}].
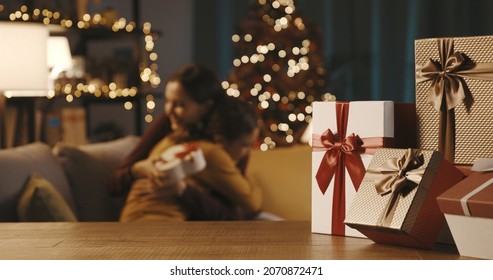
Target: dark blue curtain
[
  {"x": 372, "y": 41},
  {"x": 368, "y": 44}
]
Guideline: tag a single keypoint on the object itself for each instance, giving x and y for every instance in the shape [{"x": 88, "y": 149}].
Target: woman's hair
[
  {"x": 202, "y": 85},
  {"x": 199, "y": 82},
  {"x": 232, "y": 118}
]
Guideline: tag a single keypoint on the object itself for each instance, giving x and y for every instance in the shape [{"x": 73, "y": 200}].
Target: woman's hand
[{"x": 145, "y": 169}]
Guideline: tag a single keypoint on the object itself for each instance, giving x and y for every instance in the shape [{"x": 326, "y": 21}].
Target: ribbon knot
[
  {"x": 332, "y": 141},
  {"x": 341, "y": 154},
  {"x": 448, "y": 88},
  {"x": 338, "y": 153},
  {"x": 397, "y": 177}
]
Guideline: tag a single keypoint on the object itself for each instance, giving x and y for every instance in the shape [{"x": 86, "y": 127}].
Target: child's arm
[{"x": 222, "y": 175}]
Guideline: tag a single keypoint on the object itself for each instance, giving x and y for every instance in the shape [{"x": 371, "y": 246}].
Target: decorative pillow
[
  {"x": 88, "y": 168},
  {"x": 88, "y": 178},
  {"x": 41, "y": 202},
  {"x": 17, "y": 165}
]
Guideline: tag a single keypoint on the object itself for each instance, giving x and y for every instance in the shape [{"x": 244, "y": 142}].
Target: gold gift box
[
  {"x": 464, "y": 67},
  {"x": 396, "y": 202}
]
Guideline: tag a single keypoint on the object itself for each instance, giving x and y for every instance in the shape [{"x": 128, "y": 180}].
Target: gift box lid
[
  {"x": 369, "y": 205},
  {"x": 473, "y": 196}
]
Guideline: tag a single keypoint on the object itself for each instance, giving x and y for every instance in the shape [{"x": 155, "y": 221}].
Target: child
[{"x": 233, "y": 126}]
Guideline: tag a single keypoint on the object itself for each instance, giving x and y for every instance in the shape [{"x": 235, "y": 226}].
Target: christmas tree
[{"x": 279, "y": 68}]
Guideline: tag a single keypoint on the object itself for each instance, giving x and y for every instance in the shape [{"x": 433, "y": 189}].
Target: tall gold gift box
[{"x": 454, "y": 97}]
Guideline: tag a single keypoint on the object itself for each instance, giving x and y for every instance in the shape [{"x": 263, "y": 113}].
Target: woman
[
  {"x": 234, "y": 128},
  {"x": 190, "y": 93},
  {"x": 200, "y": 89}
]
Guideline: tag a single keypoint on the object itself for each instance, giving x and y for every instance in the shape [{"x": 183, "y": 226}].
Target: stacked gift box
[
  {"x": 468, "y": 209},
  {"x": 345, "y": 136},
  {"x": 368, "y": 181}
]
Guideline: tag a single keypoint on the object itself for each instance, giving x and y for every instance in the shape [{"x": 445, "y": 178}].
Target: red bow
[
  {"x": 339, "y": 154},
  {"x": 342, "y": 153}
]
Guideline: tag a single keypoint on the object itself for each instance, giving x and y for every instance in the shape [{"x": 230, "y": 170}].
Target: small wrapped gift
[
  {"x": 345, "y": 135},
  {"x": 468, "y": 209},
  {"x": 179, "y": 161},
  {"x": 454, "y": 85},
  {"x": 396, "y": 202}
]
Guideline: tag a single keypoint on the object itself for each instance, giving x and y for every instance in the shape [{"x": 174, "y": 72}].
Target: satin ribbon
[
  {"x": 448, "y": 88},
  {"x": 480, "y": 165},
  {"x": 342, "y": 152},
  {"x": 189, "y": 148},
  {"x": 397, "y": 177}
]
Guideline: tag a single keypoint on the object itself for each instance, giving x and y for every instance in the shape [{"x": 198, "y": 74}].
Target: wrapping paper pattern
[
  {"x": 473, "y": 117},
  {"x": 368, "y": 204},
  {"x": 417, "y": 220}
]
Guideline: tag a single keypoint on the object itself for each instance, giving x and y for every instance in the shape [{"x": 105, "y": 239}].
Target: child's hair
[{"x": 232, "y": 118}]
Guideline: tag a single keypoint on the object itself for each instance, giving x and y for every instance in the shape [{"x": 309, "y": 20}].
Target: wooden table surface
[{"x": 258, "y": 240}]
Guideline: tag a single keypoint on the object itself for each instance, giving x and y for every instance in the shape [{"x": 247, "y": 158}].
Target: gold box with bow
[
  {"x": 468, "y": 209},
  {"x": 345, "y": 135},
  {"x": 396, "y": 201},
  {"x": 454, "y": 97}
]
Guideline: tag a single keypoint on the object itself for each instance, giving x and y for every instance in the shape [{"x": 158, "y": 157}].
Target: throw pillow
[
  {"x": 17, "y": 164},
  {"x": 41, "y": 202},
  {"x": 88, "y": 168},
  {"x": 88, "y": 179}
]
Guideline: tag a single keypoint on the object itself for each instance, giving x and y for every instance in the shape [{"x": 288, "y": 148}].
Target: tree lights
[{"x": 279, "y": 68}]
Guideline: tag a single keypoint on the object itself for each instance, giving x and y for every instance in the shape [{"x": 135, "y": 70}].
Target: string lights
[
  {"x": 76, "y": 88},
  {"x": 279, "y": 68}
]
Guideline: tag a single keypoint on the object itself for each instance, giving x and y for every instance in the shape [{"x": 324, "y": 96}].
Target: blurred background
[{"x": 281, "y": 55}]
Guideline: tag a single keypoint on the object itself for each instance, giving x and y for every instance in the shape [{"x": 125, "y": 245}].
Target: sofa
[{"x": 68, "y": 183}]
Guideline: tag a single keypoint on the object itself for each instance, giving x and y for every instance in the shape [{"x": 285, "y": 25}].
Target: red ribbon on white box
[{"x": 343, "y": 153}]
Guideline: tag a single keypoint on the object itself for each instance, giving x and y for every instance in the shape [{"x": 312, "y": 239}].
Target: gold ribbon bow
[
  {"x": 397, "y": 177},
  {"x": 448, "y": 88}
]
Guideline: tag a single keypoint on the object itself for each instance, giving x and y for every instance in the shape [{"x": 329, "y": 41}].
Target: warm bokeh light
[{"x": 284, "y": 72}]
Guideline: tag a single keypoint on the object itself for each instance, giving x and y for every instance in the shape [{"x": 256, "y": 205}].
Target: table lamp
[
  {"x": 23, "y": 59},
  {"x": 59, "y": 57}
]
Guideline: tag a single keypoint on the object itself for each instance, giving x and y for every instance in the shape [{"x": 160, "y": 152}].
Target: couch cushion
[
  {"x": 87, "y": 177},
  {"x": 88, "y": 169},
  {"x": 284, "y": 174},
  {"x": 17, "y": 165},
  {"x": 41, "y": 202},
  {"x": 111, "y": 153}
]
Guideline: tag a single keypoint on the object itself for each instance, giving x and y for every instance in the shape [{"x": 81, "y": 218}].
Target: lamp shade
[
  {"x": 59, "y": 56},
  {"x": 23, "y": 57}
]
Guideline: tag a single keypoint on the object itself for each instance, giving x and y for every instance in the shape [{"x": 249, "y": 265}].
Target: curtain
[
  {"x": 368, "y": 44},
  {"x": 371, "y": 42}
]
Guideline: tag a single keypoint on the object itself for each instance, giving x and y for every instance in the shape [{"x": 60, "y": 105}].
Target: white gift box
[
  {"x": 370, "y": 121},
  {"x": 179, "y": 161}
]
